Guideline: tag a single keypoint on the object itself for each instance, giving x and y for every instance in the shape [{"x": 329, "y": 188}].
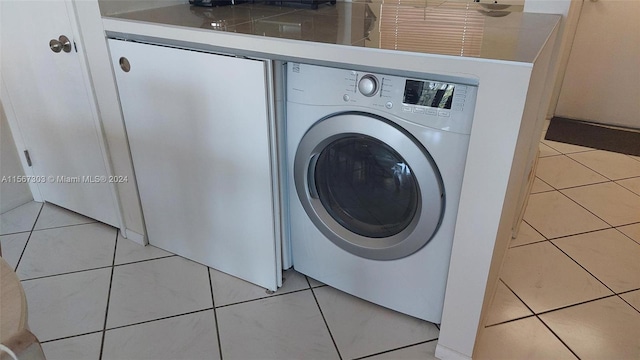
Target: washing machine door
[{"x": 368, "y": 186}]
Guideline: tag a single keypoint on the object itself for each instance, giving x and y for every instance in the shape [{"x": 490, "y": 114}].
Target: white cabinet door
[
  {"x": 198, "y": 127},
  {"x": 55, "y": 115},
  {"x": 602, "y": 76}
]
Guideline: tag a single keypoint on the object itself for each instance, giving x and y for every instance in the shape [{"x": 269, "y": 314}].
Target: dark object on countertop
[
  {"x": 624, "y": 141},
  {"x": 212, "y": 3},
  {"x": 312, "y": 4},
  {"x": 309, "y": 4}
]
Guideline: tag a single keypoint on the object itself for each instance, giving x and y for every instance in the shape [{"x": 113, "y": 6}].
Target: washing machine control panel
[{"x": 438, "y": 104}]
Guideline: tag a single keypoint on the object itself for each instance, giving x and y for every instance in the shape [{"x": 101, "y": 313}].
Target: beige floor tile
[
  {"x": 67, "y": 249},
  {"x": 547, "y": 151},
  {"x": 230, "y": 290},
  {"x": 612, "y": 165},
  {"x": 521, "y": 339},
  {"x": 554, "y": 215},
  {"x": 540, "y": 186},
  {"x": 608, "y": 255},
  {"x": 155, "y": 289},
  {"x": 79, "y": 347},
  {"x": 632, "y": 298},
  {"x": 562, "y": 172},
  {"x": 53, "y": 216},
  {"x": 128, "y": 251},
  {"x": 632, "y": 184},
  {"x": 20, "y": 219},
  {"x": 603, "y": 329},
  {"x": 565, "y": 148},
  {"x": 545, "y": 279},
  {"x": 289, "y": 326},
  {"x": 609, "y": 201},
  {"x": 361, "y": 328},
  {"x": 505, "y": 306},
  {"x": 632, "y": 231},
  {"x": 67, "y": 305},
  {"x": 12, "y": 247},
  {"x": 190, "y": 336},
  {"x": 526, "y": 235}
]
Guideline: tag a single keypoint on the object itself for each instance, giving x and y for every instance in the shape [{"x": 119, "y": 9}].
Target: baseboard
[
  {"x": 445, "y": 353},
  {"x": 596, "y": 136},
  {"x": 134, "y": 236}
]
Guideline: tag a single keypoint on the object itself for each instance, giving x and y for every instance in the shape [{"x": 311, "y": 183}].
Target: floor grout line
[
  {"x": 628, "y": 303},
  {"x": 72, "y": 225},
  {"x": 215, "y": 314},
  {"x": 71, "y": 337},
  {"x": 158, "y": 319},
  {"x": 263, "y": 298},
  {"x": 582, "y": 266},
  {"x": 146, "y": 260},
  {"x": 395, "y": 349},
  {"x": 106, "y": 310},
  {"x": 29, "y": 238},
  {"x": 66, "y": 273},
  {"x": 558, "y": 337},
  {"x": 325, "y": 320}
]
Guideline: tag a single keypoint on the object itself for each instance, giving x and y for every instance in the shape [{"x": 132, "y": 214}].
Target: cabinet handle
[{"x": 124, "y": 64}]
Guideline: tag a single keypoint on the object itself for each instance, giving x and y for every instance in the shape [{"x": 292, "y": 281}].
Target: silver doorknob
[
  {"x": 62, "y": 44},
  {"x": 66, "y": 43},
  {"x": 55, "y": 45}
]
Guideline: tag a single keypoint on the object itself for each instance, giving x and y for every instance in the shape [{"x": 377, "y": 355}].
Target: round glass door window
[
  {"x": 369, "y": 186},
  {"x": 366, "y": 186}
]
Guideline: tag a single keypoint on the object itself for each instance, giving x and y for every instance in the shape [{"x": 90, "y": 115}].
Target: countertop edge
[{"x": 369, "y": 59}]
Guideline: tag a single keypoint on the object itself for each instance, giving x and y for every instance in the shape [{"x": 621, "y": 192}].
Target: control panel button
[
  {"x": 432, "y": 112},
  {"x": 457, "y": 108},
  {"x": 368, "y": 85},
  {"x": 419, "y": 110},
  {"x": 406, "y": 109},
  {"x": 346, "y": 97},
  {"x": 443, "y": 113},
  {"x": 388, "y": 105}
]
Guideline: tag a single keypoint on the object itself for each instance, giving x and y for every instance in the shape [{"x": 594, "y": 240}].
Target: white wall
[
  {"x": 11, "y": 194},
  {"x": 570, "y": 11}
]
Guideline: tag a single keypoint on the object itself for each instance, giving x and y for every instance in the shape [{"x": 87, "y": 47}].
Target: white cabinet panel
[
  {"x": 198, "y": 127},
  {"x": 53, "y": 114}
]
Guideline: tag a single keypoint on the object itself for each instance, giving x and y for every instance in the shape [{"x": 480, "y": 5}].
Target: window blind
[{"x": 450, "y": 28}]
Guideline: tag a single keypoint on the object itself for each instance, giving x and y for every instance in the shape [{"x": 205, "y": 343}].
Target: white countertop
[{"x": 373, "y": 35}]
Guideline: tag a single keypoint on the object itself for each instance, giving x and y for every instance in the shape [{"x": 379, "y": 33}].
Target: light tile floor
[
  {"x": 570, "y": 284},
  {"x": 569, "y": 288},
  {"x": 95, "y": 295}
]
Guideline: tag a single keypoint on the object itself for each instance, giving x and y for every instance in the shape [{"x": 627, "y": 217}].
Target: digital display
[{"x": 427, "y": 93}]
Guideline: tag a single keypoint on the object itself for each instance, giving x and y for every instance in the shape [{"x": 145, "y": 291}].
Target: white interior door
[
  {"x": 54, "y": 109},
  {"x": 198, "y": 128},
  {"x": 603, "y": 73}
]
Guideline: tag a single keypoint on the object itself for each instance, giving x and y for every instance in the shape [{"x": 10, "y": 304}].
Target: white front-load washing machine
[{"x": 375, "y": 165}]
